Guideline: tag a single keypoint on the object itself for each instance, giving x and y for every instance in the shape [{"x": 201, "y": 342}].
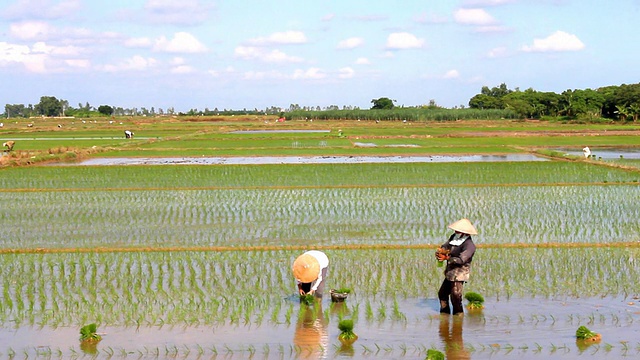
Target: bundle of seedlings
[
  {"x": 340, "y": 295},
  {"x": 476, "y": 301},
  {"x": 586, "y": 335},
  {"x": 442, "y": 251},
  {"x": 307, "y": 299},
  {"x": 88, "y": 334},
  {"x": 433, "y": 354},
  {"x": 347, "y": 336}
]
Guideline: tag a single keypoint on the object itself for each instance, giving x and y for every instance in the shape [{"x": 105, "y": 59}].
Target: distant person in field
[
  {"x": 128, "y": 134},
  {"x": 457, "y": 252},
  {"x": 586, "y": 151},
  {"x": 9, "y": 145},
  {"x": 310, "y": 271}
]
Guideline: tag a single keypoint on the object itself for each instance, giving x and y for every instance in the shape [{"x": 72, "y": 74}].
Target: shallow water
[
  {"x": 266, "y": 160},
  {"x": 607, "y": 153},
  {"x": 504, "y": 329}
]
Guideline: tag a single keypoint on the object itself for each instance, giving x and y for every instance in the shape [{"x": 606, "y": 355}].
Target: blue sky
[{"x": 255, "y": 54}]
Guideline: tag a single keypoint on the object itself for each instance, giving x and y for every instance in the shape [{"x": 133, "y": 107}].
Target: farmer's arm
[{"x": 317, "y": 282}]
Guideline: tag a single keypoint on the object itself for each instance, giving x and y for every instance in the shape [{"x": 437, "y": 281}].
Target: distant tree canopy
[
  {"x": 613, "y": 102},
  {"x": 105, "y": 109},
  {"x": 382, "y": 103},
  {"x": 49, "y": 106}
]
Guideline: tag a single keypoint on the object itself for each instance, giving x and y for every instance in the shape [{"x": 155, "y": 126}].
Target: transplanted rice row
[
  {"x": 159, "y": 177},
  {"x": 317, "y": 217},
  {"x": 204, "y": 288}
]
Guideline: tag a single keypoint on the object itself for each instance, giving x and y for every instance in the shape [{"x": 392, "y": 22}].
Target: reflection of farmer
[
  {"x": 310, "y": 271},
  {"x": 460, "y": 253},
  {"x": 311, "y": 333},
  {"x": 452, "y": 338}
]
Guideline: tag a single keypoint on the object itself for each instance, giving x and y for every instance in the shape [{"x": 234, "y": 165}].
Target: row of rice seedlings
[
  {"x": 593, "y": 214},
  {"x": 187, "y": 288},
  {"x": 237, "y": 176}
]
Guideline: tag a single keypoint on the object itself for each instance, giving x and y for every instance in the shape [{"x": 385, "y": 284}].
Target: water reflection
[
  {"x": 311, "y": 336},
  {"x": 451, "y": 335},
  {"x": 270, "y": 160}
]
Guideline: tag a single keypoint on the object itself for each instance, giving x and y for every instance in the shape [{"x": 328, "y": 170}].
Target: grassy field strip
[
  {"x": 627, "y": 244},
  {"x": 294, "y": 187}
]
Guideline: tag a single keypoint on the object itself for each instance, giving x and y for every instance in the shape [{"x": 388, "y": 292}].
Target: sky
[{"x": 197, "y": 54}]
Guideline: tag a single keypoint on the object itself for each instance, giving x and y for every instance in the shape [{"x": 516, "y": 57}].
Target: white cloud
[
  {"x": 135, "y": 63},
  {"x": 41, "y": 9},
  {"x": 178, "y": 61},
  {"x": 452, "y": 74},
  {"x": 556, "y": 42},
  {"x": 430, "y": 19},
  {"x": 473, "y": 17},
  {"x": 256, "y": 53},
  {"x": 346, "y": 73},
  {"x": 182, "y": 42},
  {"x": 141, "y": 42},
  {"x": 403, "y": 40},
  {"x": 181, "y": 12},
  {"x": 182, "y": 69},
  {"x": 280, "y": 38},
  {"x": 31, "y": 30},
  {"x": 497, "y": 52},
  {"x": 78, "y": 63},
  {"x": 41, "y": 58},
  {"x": 328, "y": 17},
  {"x": 362, "y": 61},
  {"x": 491, "y": 29},
  {"x": 350, "y": 43},
  {"x": 311, "y": 73},
  {"x": 262, "y": 75}
]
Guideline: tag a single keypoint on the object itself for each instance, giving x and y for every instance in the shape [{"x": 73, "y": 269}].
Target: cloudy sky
[{"x": 255, "y": 53}]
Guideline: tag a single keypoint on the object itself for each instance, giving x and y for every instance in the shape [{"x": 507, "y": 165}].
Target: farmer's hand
[
  {"x": 442, "y": 257},
  {"x": 300, "y": 291},
  {"x": 311, "y": 292}
]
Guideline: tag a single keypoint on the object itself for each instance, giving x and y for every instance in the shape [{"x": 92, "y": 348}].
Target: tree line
[{"x": 617, "y": 102}]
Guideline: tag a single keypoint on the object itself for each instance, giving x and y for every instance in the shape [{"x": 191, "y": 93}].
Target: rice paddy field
[{"x": 194, "y": 262}]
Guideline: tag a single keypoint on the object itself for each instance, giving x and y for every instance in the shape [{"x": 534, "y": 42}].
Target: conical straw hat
[
  {"x": 463, "y": 226},
  {"x": 306, "y": 268}
]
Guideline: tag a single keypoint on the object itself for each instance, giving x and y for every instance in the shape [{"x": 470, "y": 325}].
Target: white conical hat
[
  {"x": 306, "y": 268},
  {"x": 463, "y": 226}
]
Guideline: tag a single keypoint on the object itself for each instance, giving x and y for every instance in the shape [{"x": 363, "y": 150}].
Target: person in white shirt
[{"x": 310, "y": 271}]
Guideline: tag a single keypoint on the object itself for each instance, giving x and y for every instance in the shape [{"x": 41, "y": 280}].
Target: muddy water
[
  {"x": 504, "y": 329},
  {"x": 265, "y": 160}
]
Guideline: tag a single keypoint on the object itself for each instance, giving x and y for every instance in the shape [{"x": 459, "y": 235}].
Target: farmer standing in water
[
  {"x": 310, "y": 271},
  {"x": 457, "y": 252}
]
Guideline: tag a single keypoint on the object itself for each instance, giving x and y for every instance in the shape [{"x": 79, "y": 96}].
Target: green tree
[
  {"x": 382, "y": 103},
  {"x": 105, "y": 110},
  {"x": 49, "y": 106},
  {"x": 15, "y": 110}
]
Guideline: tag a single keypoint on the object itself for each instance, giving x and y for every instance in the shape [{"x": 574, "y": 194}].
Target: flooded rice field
[
  {"x": 504, "y": 329},
  {"x": 242, "y": 304}
]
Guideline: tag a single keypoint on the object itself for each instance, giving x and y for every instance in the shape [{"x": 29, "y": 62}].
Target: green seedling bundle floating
[
  {"x": 476, "y": 301},
  {"x": 347, "y": 336}
]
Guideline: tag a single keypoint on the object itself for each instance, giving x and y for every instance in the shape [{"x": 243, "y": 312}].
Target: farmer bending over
[
  {"x": 310, "y": 271},
  {"x": 458, "y": 252}
]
